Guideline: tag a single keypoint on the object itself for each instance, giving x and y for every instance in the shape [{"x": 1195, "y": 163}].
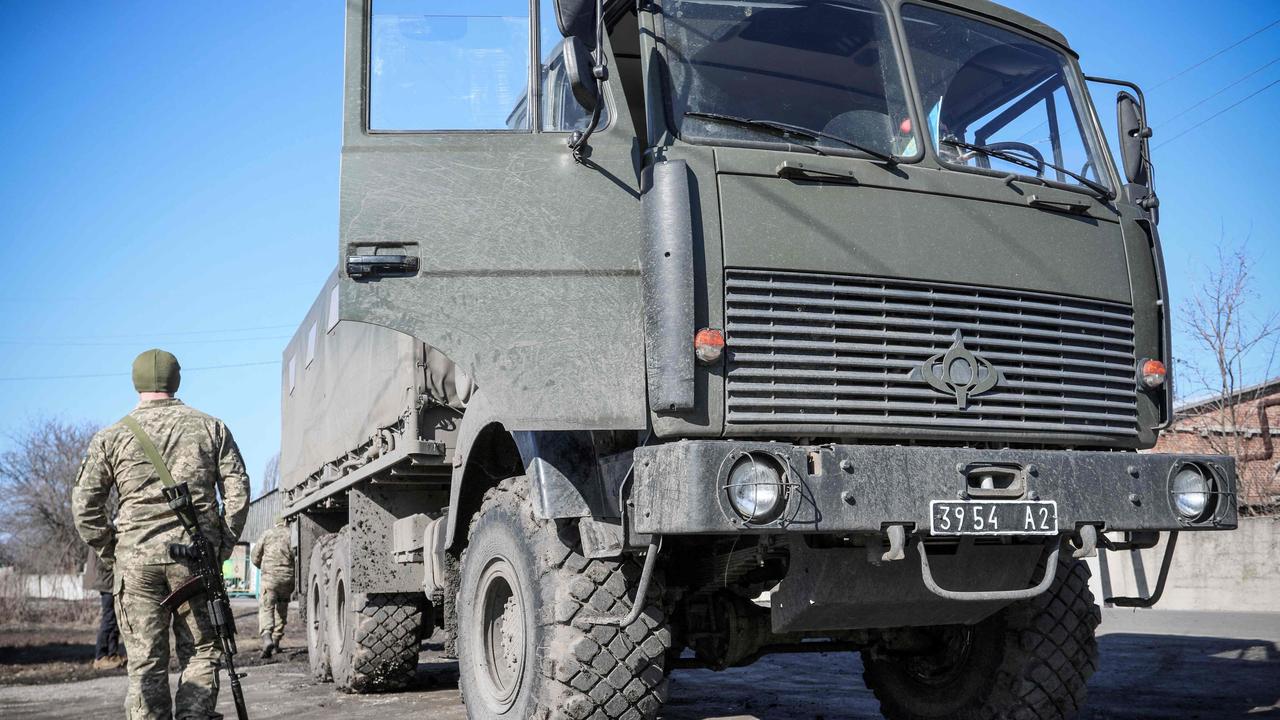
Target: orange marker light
[
  {"x": 708, "y": 345},
  {"x": 1153, "y": 374}
]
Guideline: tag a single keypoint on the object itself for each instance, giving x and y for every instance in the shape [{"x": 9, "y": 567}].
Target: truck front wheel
[
  {"x": 523, "y": 651},
  {"x": 1030, "y": 661}
]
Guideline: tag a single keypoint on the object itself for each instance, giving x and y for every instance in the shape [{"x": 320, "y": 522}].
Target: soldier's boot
[{"x": 267, "y": 646}]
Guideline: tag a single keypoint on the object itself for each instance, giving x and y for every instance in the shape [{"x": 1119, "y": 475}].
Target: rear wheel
[
  {"x": 1030, "y": 661},
  {"x": 523, "y": 584},
  {"x": 373, "y": 638},
  {"x": 316, "y": 608}
]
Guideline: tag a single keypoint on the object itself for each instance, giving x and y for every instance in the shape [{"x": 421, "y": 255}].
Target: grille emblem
[{"x": 959, "y": 373}]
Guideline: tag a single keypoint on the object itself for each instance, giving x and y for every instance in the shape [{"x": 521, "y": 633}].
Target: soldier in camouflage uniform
[
  {"x": 200, "y": 450},
  {"x": 273, "y": 555}
]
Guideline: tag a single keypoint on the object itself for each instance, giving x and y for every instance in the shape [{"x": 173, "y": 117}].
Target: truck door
[{"x": 467, "y": 223}]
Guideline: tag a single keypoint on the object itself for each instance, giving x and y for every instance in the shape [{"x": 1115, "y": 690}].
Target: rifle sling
[
  {"x": 153, "y": 456},
  {"x": 149, "y": 449}
]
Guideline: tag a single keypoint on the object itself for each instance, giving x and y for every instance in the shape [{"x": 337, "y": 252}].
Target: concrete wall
[
  {"x": 1230, "y": 570},
  {"x": 58, "y": 587}
]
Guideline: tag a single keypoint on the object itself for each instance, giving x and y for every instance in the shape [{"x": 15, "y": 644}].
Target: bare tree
[
  {"x": 1240, "y": 347},
  {"x": 271, "y": 474},
  {"x": 36, "y": 479}
]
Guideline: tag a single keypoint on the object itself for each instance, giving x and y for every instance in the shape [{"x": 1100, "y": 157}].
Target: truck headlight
[
  {"x": 755, "y": 488},
  {"x": 1191, "y": 489}
]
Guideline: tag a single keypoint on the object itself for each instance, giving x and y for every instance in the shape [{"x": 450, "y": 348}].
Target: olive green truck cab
[{"x": 674, "y": 333}]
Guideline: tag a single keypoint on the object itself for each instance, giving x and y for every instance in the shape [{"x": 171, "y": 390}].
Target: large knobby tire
[
  {"x": 374, "y": 638},
  {"x": 316, "y": 608},
  {"x": 1030, "y": 661},
  {"x": 523, "y": 650}
]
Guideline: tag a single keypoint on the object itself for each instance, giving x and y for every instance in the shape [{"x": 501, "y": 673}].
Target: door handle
[
  {"x": 1075, "y": 207},
  {"x": 363, "y": 267}
]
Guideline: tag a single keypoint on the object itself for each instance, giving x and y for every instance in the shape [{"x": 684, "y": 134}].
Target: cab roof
[
  {"x": 980, "y": 7},
  {"x": 1000, "y": 12}
]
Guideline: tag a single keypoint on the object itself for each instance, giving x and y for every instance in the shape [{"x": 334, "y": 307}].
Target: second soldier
[{"x": 273, "y": 555}]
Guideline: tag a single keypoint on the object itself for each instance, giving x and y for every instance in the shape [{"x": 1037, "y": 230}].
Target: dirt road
[{"x": 1155, "y": 665}]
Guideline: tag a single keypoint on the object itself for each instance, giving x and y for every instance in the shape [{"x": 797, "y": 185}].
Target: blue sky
[{"x": 170, "y": 178}]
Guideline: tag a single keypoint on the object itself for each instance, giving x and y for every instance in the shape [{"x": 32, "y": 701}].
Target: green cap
[{"x": 156, "y": 371}]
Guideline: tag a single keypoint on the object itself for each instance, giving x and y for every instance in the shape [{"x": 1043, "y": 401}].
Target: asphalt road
[{"x": 1156, "y": 665}]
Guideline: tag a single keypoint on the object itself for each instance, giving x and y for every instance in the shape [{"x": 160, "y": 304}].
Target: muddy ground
[
  {"x": 61, "y": 653},
  {"x": 1155, "y": 666}
]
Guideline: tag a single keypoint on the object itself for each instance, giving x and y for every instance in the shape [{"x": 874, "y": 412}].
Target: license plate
[{"x": 993, "y": 517}]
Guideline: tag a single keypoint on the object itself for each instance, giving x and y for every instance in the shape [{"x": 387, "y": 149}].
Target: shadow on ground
[
  {"x": 1143, "y": 676},
  {"x": 1168, "y": 676},
  {"x": 47, "y": 652}
]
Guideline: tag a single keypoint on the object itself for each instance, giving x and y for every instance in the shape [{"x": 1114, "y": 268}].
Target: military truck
[{"x": 675, "y": 333}]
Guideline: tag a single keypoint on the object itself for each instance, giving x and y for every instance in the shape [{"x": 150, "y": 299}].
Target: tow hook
[
  {"x": 897, "y": 545},
  {"x": 1088, "y": 545}
]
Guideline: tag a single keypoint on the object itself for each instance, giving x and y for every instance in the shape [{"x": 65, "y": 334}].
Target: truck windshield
[
  {"x": 986, "y": 88},
  {"x": 826, "y": 67}
]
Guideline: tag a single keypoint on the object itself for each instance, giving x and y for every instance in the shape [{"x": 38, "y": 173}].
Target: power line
[
  {"x": 205, "y": 332},
  {"x": 1224, "y": 111},
  {"x": 173, "y": 333},
  {"x": 111, "y": 375},
  {"x": 73, "y": 343},
  {"x": 1216, "y": 55},
  {"x": 1166, "y": 121}
]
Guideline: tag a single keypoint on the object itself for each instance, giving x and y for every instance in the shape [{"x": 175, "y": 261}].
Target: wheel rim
[
  {"x": 313, "y": 627},
  {"x": 338, "y": 623},
  {"x": 502, "y": 632},
  {"x": 955, "y": 646}
]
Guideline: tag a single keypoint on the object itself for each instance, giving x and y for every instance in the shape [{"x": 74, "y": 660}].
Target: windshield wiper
[
  {"x": 1032, "y": 164},
  {"x": 792, "y": 130}
]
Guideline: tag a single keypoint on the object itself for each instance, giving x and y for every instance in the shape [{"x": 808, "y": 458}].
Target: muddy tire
[
  {"x": 315, "y": 608},
  {"x": 1030, "y": 661},
  {"x": 523, "y": 584},
  {"x": 374, "y": 638}
]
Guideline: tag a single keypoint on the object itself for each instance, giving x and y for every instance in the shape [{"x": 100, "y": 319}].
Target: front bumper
[{"x": 679, "y": 487}]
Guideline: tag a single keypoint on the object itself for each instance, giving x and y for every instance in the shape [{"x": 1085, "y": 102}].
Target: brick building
[{"x": 1247, "y": 426}]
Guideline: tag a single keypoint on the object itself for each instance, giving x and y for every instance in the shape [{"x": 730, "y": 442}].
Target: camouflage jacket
[
  {"x": 274, "y": 556},
  {"x": 197, "y": 448}
]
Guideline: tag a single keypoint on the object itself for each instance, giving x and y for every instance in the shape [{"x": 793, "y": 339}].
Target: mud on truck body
[{"x": 695, "y": 330}]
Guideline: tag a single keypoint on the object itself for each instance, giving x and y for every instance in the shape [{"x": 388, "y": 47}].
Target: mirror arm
[
  {"x": 599, "y": 70},
  {"x": 1144, "y": 134},
  {"x": 1142, "y": 98}
]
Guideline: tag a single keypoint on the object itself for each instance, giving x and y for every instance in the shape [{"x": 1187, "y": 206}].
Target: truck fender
[{"x": 561, "y": 466}]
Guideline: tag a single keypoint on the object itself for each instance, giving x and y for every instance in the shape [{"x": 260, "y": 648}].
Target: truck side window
[
  {"x": 560, "y": 112},
  {"x": 438, "y": 65}
]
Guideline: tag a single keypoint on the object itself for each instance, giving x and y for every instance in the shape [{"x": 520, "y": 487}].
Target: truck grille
[{"x": 808, "y": 349}]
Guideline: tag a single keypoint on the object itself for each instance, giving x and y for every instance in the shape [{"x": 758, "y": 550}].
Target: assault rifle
[{"x": 207, "y": 581}]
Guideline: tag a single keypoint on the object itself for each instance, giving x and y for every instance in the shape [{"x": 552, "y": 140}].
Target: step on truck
[{"x": 674, "y": 333}]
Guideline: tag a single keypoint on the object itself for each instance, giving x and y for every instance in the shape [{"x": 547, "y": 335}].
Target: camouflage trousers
[
  {"x": 273, "y": 609},
  {"x": 145, "y": 626}
]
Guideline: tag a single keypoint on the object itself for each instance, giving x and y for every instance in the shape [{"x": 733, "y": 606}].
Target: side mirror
[
  {"x": 576, "y": 17},
  {"x": 1133, "y": 139},
  {"x": 579, "y": 67}
]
